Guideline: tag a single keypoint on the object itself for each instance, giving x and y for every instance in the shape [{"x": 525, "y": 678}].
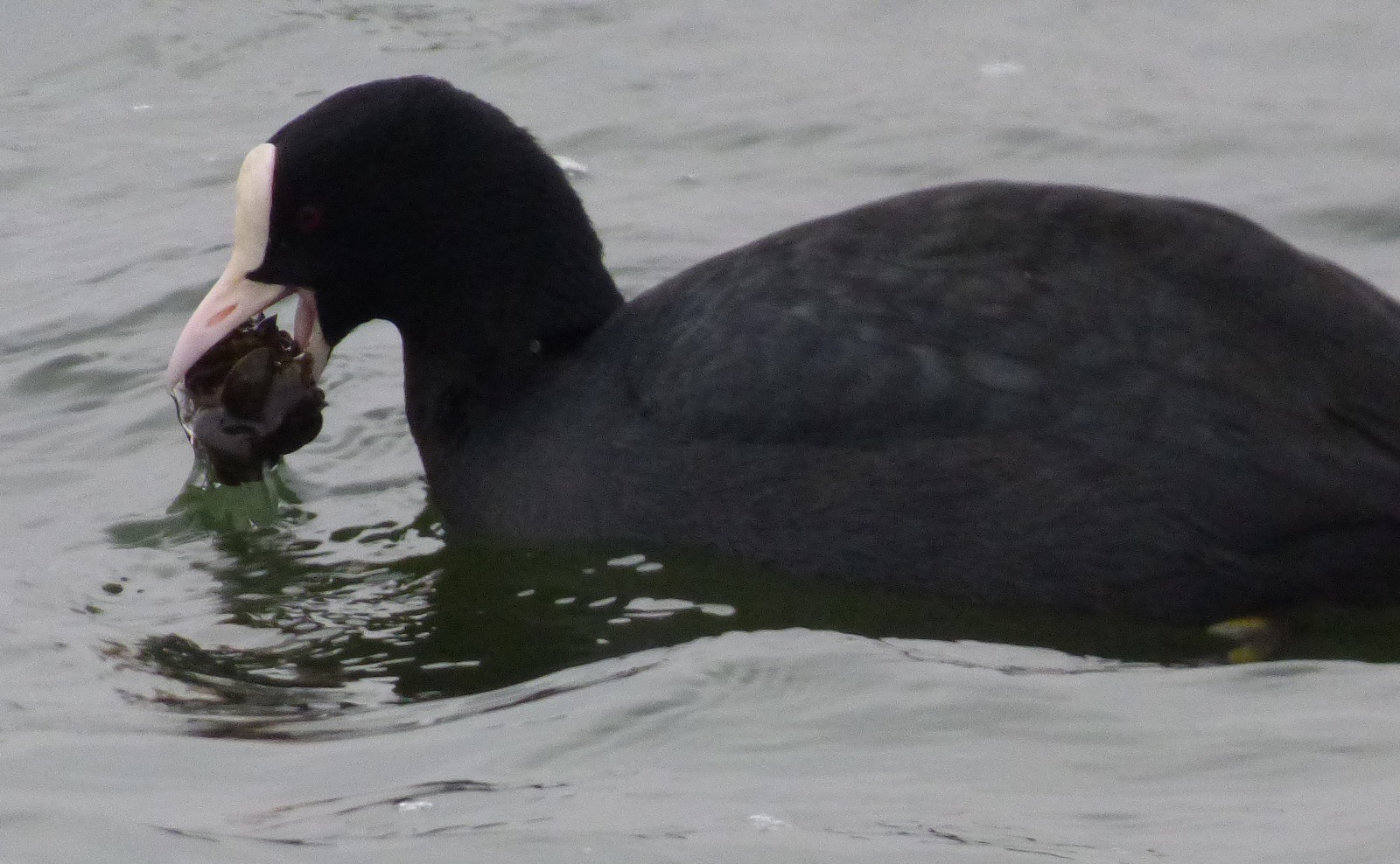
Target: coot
[{"x": 1033, "y": 395}]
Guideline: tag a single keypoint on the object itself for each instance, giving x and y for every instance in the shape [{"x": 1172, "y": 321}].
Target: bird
[{"x": 1028, "y": 395}]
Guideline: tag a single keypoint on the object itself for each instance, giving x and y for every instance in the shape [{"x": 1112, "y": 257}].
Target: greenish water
[{"x": 303, "y": 672}]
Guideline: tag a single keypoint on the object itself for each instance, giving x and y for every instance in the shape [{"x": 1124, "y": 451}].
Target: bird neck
[{"x": 461, "y": 368}]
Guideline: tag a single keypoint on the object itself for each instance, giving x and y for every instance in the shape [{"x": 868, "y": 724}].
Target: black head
[{"x": 411, "y": 201}]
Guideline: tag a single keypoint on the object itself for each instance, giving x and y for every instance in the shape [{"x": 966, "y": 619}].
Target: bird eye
[{"x": 309, "y": 218}]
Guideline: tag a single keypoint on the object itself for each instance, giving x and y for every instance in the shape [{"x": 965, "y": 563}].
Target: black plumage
[{"x": 1009, "y": 393}]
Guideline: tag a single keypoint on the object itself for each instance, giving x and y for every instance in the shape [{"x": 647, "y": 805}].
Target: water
[{"x": 214, "y": 678}]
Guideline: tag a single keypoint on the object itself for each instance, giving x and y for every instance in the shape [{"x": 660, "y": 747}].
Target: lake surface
[{"x": 303, "y": 673}]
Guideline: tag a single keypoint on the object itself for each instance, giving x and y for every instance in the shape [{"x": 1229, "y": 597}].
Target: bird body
[{"x": 1007, "y": 393}]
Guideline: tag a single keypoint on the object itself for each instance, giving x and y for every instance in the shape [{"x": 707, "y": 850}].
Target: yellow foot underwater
[{"x": 1256, "y": 638}]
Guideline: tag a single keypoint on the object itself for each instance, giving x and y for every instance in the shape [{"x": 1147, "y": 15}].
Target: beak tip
[{"x": 233, "y": 300}]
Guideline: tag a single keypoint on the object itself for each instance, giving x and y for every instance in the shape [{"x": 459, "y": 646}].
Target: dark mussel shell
[{"x": 251, "y": 400}]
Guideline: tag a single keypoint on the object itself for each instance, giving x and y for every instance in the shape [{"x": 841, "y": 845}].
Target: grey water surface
[{"x": 301, "y": 672}]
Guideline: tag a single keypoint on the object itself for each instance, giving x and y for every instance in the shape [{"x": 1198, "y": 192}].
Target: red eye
[{"x": 309, "y": 218}]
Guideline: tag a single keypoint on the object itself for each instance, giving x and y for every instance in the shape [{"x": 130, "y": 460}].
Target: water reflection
[{"x": 352, "y": 630}]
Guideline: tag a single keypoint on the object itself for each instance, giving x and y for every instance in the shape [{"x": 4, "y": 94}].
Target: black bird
[{"x": 1032, "y": 395}]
